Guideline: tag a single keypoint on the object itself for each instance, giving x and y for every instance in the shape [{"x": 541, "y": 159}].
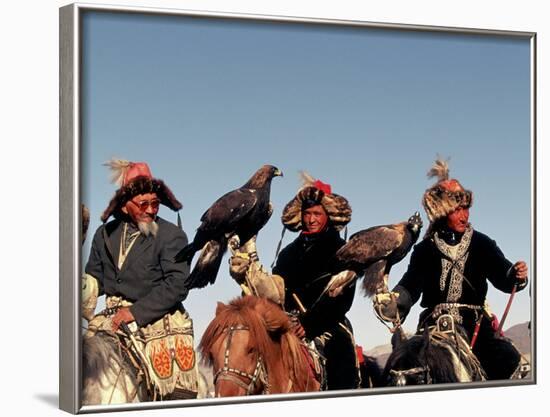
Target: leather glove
[
  {"x": 385, "y": 305},
  {"x": 238, "y": 266},
  {"x": 122, "y": 315}
]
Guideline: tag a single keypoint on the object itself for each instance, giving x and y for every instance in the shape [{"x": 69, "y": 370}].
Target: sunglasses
[{"x": 143, "y": 205}]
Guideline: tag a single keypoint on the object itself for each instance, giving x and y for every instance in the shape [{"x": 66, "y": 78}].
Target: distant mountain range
[{"x": 521, "y": 336}]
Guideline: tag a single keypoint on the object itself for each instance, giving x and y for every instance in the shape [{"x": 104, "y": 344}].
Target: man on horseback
[
  {"x": 450, "y": 269},
  {"x": 131, "y": 262},
  {"x": 306, "y": 266}
]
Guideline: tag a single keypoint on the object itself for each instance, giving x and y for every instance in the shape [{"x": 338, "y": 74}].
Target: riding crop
[{"x": 505, "y": 314}]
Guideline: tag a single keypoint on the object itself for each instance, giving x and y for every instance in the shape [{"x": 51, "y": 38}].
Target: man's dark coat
[
  {"x": 306, "y": 266},
  {"x": 485, "y": 263},
  {"x": 149, "y": 278}
]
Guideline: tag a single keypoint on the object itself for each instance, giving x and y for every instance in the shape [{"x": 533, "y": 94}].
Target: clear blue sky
[{"x": 207, "y": 102}]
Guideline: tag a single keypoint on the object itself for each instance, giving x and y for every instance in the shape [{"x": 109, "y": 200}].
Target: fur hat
[
  {"x": 446, "y": 195},
  {"x": 135, "y": 178},
  {"x": 315, "y": 192}
]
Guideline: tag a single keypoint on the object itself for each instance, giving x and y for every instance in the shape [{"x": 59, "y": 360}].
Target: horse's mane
[
  {"x": 269, "y": 332},
  {"x": 100, "y": 354}
]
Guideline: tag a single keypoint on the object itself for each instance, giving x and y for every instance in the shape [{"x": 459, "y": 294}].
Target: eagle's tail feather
[
  {"x": 374, "y": 277},
  {"x": 187, "y": 253},
  {"x": 208, "y": 264}
]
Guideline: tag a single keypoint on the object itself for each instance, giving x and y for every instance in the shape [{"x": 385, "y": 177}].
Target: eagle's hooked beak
[{"x": 278, "y": 173}]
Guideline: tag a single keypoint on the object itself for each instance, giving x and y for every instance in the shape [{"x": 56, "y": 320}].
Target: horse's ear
[
  {"x": 426, "y": 345},
  {"x": 220, "y": 307},
  {"x": 398, "y": 338},
  {"x": 426, "y": 333}
]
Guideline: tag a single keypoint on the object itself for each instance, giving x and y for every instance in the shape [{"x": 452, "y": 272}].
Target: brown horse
[{"x": 252, "y": 350}]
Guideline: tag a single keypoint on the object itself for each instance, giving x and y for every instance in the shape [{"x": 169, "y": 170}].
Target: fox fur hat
[
  {"x": 135, "y": 178},
  {"x": 446, "y": 195},
  {"x": 315, "y": 192}
]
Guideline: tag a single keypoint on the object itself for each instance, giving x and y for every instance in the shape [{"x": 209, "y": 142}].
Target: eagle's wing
[
  {"x": 229, "y": 209},
  {"x": 372, "y": 244}
]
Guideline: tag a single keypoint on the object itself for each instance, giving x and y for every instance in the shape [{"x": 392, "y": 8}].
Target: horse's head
[
  {"x": 241, "y": 345},
  {"x": 239, "y": 366},
  {"x": 252, "y": 351},
  {"x": 407, "y": 364},
  {"x": 428, "y": 359}
]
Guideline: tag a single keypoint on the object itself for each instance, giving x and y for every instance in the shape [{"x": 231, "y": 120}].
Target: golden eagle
[
  {"x": 375, "y": 250},
  {"x": 242, "y": 212}
]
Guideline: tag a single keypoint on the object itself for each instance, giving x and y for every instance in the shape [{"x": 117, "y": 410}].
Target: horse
[
  {"x": 110, "y": 373},
  {"x": 253, "y": 351},
  {"x": 433, "y": 357},
  {"x": 371, "y": 374},
  {"x": 107, "y": 377}
]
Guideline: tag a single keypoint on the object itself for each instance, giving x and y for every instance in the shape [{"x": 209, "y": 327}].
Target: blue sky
[{"x": 207, "y": 101}]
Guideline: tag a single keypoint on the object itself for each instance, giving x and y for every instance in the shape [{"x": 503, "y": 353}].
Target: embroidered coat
[
  {"x": 149, "y": 277},
  {"x": 439, "y": 279}
]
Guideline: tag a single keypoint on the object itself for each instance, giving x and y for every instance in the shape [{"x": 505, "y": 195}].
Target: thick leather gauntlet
[
  {"x": 385, "y": 306},
  {"x": 245, "y": 268}
]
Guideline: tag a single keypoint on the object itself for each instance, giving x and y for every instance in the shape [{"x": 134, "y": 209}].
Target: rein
[{"x": 234, "y": 375}]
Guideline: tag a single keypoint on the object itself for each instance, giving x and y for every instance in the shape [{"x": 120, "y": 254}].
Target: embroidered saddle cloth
[{"x": 170, "y": 355}]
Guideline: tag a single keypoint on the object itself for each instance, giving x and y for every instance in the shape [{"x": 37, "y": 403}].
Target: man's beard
[{"x": 148, "y": 228}]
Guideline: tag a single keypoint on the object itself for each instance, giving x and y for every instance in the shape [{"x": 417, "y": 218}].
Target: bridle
[
  {"x": 400, "y": 377},
  {"x": 234, "y": 375}
]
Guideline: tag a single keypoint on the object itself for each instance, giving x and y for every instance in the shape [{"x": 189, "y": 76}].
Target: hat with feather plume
[
  {"x": 315, "y": 192},
  {"x": 135, "y": 178},
  {"x": 446, "y": 195}
]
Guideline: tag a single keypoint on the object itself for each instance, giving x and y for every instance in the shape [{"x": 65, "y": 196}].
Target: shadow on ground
[{"x": 49, "y": 399}]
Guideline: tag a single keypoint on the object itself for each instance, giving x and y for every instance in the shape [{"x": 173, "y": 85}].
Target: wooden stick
[{"x": 299, "y": 303}]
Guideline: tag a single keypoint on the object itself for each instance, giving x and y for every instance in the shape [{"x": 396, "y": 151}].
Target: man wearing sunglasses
[{"x": 131, "y": 262}]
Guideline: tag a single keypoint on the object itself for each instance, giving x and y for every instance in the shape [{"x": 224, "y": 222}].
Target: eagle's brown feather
[{"x": 374, "y": 251}]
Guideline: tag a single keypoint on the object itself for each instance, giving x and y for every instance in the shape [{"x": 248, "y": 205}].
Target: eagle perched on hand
[
  {"x": 242, "y": 212},
  {"x": 376, "y": 249}
]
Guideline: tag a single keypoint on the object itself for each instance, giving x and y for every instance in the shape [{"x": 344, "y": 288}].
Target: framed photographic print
[{"x": 270, "y": 208}]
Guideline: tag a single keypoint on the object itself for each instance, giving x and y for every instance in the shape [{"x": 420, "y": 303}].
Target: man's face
[
  {"x": 314, "y": 218},
  {"x": 143, "y": 208},
  {"x": 457, "y": 221}
]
